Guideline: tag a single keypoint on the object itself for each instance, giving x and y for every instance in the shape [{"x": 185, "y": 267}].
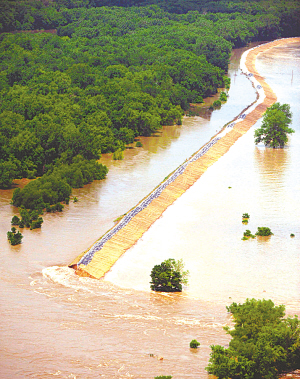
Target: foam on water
[{"x": 66, "y": 276}]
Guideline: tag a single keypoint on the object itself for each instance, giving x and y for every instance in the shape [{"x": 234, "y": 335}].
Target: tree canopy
[
  {"x": 274, "y": 129},
  {"x": 110, "y": 75},
  {"x": 278, "y": 16},
  {"x": 56, "y": 185},
  {"x": 14, "y": 237},
  {"x": 263, "y": 345},
  {"x": 108, "y": 72},
  {"x": 168, "y": 276}
]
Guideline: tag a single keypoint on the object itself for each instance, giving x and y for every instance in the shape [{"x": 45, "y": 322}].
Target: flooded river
[{"x": 55, "y": 324}]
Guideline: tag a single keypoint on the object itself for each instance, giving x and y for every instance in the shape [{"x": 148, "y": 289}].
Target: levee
[{"x": 98, "y": 260}]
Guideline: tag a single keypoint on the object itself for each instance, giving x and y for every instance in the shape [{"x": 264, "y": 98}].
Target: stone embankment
[{"x": 98, "y": 260}]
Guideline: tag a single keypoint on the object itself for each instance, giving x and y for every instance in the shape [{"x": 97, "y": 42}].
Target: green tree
[
  {"x": 118, "y": 155},
  {"x": 216, "y": 104},
  {"x": 56, "y": 185},
  {"x": 7, "y": 174},
  {"x": 216, "y": 49},
  {"x": 223, "y": 96},
  {"x": 263, "y": 231},
  {"x": 14, "y": 237},
  {"x": 81, "y": 75},
  {"x": 36, "y": 224},
  {"x": 194, "y": 344},
  {"x": 263, "y": 345},
  {"x": 274, "y": 129},
  {"x": 168, "y": 276},
  {"x": 15, "y": 220},
  {"x": 126, "y": 135}
]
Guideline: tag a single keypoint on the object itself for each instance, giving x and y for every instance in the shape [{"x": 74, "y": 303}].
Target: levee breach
[{"x": 98, "y": 260}]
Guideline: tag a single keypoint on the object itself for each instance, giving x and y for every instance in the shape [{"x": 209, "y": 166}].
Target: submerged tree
[
  {"x": 263, "y": 231},
  {"x": 264, "y": 343},
  {"x": 14, "y": 237},
  {"x": 168, "y": 276},
  {"x": 274, "y": 129},
  {"x": 15, "y": 220},
  {"x": 194, "y": 344}
]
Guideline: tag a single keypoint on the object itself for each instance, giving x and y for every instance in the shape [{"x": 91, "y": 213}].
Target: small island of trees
[
  {"x": 14, "y": 237},
  {"x": 274, "y": 129},
  {"x": 169, "y": 276},
  {"x": 263, "y": 345}
]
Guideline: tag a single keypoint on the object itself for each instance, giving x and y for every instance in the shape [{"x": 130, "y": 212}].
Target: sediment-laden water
[{"x": 54, "y": 323}]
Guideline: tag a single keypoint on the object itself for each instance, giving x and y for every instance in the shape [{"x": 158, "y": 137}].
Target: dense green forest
[
  {"x": 264, "y": 343},
  {"x": 47, "y": 14},
  {"x": 110, "y": 74}
]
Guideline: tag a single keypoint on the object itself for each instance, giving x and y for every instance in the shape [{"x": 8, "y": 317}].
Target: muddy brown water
[{"x": 55, "y": 324}]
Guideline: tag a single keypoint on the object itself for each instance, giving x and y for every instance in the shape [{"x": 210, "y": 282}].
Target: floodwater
[{"x": 55, "y": 324}]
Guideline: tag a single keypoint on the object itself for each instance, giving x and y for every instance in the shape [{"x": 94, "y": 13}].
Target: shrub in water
[
  {"x": 25, "y": 216},
  {"x": 223, "y": 96},
  {"x": 226, "y": 82},
  {"x": 59, "y": 207},
  {"x": 30, "y": 219},
  {"x": 247, "y": 234},
  {"x": 168, "y": 276},
  {"x": 139, "y": 144},
  {"x": 194, "y": 344},
  {"x": 263, "y": 231},
  {"x": 246, "y": 215},
  {"x": 118, "y": 155},
  {"x": 15, "y": 220},
  {"x": 217, "y": 104},
  {"x": 36, "y": 224},
  {"x": 14, "y": 237}
]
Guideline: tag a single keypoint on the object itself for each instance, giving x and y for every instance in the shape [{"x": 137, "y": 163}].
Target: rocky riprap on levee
[{"x": 98, "y": 260}]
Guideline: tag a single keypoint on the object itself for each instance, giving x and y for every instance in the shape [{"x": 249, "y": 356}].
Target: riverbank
[{"x": 101, "y": 256}]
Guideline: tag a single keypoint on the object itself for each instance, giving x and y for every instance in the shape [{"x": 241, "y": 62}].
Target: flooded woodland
[{"x": 56, "y": 324}]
